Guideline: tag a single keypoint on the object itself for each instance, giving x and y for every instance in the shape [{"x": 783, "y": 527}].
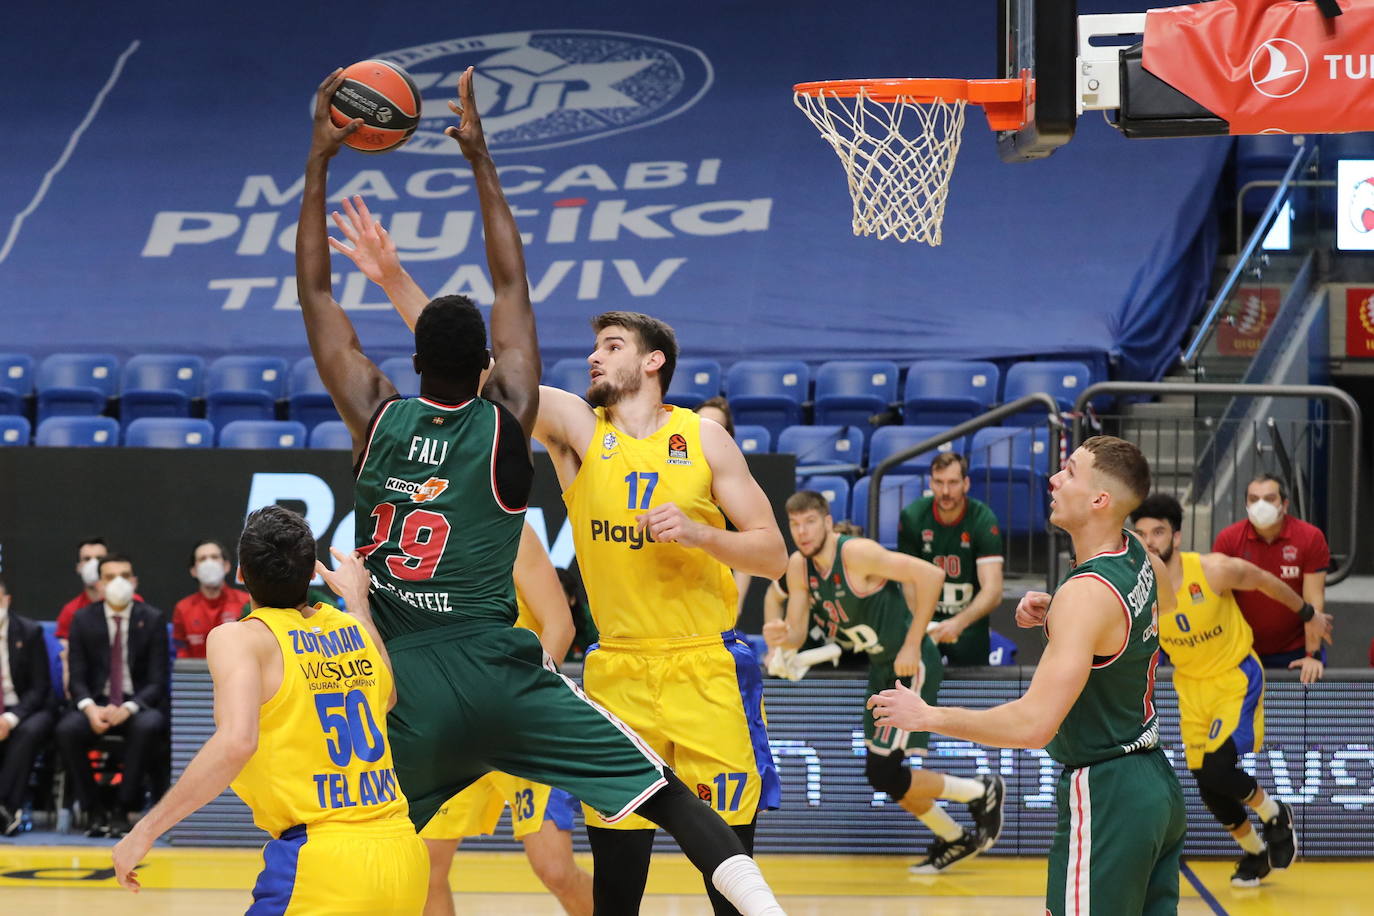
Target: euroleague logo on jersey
[
  {"x": 547, "y": 88},
  {"x": 1278, "y": 68},
  {"x": 677, "y": 449}
]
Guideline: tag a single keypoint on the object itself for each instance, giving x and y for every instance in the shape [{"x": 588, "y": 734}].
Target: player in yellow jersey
[
  {"x": 301, "y": 696},
  {"x": 541, "y": 818},
  {"x": 1220, "y": 683}
]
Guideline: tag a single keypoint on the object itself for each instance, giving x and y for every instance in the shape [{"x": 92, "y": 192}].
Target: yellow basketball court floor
[{"x": 61, "y": 880}]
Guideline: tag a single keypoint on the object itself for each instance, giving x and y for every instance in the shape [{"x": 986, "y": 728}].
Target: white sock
[
  {"x": 739, "y": 880},
  {"x": 960, "y": 789},
  {"x": 1267, "y": 809},
  {"x": 940, "y": 823},
  {"x": 1250, "y": 842}
]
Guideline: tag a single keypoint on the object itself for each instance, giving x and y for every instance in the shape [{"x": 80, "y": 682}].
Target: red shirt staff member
[
  {"x": 1297, "y": 553},
  {"x": 210, "y": 605}
]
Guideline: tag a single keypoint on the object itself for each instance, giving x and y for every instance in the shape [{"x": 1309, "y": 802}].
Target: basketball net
[{"x": 898, "y": 156}]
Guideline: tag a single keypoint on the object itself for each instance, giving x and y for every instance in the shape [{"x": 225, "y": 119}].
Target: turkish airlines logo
[{"x": 1278, "y": 68}]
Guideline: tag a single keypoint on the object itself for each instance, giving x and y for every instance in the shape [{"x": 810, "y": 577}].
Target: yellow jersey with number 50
[
  {"x": 322, "y": 754},
  {"x": 638, "y": 588},
  {"x": 1207, "y": 634}
]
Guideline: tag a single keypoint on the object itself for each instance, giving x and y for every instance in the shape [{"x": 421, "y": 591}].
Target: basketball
[{"x": 386, "y": 99}]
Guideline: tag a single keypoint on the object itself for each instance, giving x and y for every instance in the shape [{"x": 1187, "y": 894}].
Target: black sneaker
[
  {"x": 1250, "y": 869},
  {"x": 987, "y": 811},
  {"x": 944, "y": 853},
  {"x": 1280, "y": 837},
  {"x": 99, "y": 825}
]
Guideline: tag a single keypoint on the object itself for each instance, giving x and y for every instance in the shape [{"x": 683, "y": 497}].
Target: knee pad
[
  {"x": 1228, "y": 811},
  {"x": 1221, "y": 774},
  {"x": 886, "y": 774}
]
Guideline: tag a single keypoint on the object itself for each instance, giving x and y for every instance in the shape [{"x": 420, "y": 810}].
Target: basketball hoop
[{"x": 898, "y": 139}]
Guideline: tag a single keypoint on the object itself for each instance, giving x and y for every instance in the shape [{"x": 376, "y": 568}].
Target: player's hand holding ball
[
  {"x": 327, "y": 136},
  {"x": 901, "y": 707}
]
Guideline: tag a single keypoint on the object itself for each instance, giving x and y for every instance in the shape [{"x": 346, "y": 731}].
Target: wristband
[
  {"x": 1306, "y": 612},
  {"x": 1314, "y": 655}
]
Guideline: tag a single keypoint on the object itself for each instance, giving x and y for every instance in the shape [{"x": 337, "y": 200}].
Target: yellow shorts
[
  {"x": 1227, "y": 705},
  {"x": 698, "y": 702},
  {"x": 343, "y": 870},
  {"x": 477, "y": 809}
]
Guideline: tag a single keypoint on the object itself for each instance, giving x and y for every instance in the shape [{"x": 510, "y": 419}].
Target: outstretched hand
[
  {"x": 327, "y": 138},
  {"x": 901, "y": 707},
  {"x": 468, "y": 133},
  {"x": 372, "y": 252}
]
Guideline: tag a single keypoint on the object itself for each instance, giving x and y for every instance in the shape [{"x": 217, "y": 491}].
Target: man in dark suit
[
  {"x": 25, "y": 708},
  {"x": 118, "y": 660}
]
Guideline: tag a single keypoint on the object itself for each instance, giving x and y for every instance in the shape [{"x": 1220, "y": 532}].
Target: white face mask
[
  {"x": 1262, "y": 513},
  {"x": 210, "y": 573},
  {"x": 119, "y": 591},
  {"x": 90, "y": 571}
]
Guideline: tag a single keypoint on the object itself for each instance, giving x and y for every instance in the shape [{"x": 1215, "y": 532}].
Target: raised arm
[
  {"x": 353, "y": 381},
  {"x": 537, "y": 582}
]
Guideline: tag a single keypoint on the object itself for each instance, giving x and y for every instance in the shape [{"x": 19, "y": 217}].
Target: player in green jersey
[
  {"x": 1090, "y": 703},
  {"x": 443, "y": 480},
  {"x": 868, "y": 599},
  {"x": 959, "y": 535}
]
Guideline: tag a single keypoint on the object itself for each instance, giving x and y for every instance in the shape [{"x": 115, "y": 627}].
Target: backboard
[{"x": 1038, "y": 44}]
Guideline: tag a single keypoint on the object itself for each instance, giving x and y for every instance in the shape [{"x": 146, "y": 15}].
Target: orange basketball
[{"x": 386, "y": 99}]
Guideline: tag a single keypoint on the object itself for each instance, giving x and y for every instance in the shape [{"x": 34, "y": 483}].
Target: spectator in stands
[
  {"x": 119, "y": 687},
  {"x": 89, "y": 553},
  {"x": 718, "y": 409},
  {"x": 1291, "y": 549},
  {"x": 959, "y": 535},
  {"x": 25, "y": 708},
  {"x": 207, "y": 607}
]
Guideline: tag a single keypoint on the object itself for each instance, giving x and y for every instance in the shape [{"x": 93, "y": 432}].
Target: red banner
[
  {"x": 1359, "y": 321},
  {"x": 1252, "y": 312},
  {"x": 1269, "y": 67}
]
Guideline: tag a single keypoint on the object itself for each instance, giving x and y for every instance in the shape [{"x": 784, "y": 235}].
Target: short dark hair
[
  {"x": 806, "y": 501},
  {"x": 945, "y": 459},
  {"x": 113, "y": 558},
  {"x": 1123, "y": 462},
  {"x": 1163, "y": 507},
  {"x": 84, "y": 541},
  {"x": 719, "y": 403},
  {"x": 1265, "y": 478},
  {"x": 651, "y": 334},
  {"x": 277, "y": 557},
  {"x": 224, "y": 551},
  {"x": 451, "y": 339}
]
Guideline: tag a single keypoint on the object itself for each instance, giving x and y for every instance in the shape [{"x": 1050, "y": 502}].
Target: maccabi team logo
[
  {"x": 1362, "y": 206},
  {"x": 1278, "y": 68},
  {"x": 553, "y": 87},
  {"x": 608, "y": 441}
]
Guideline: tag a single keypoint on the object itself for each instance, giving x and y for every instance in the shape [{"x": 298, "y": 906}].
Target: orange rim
[{"x": 1003, "y": 100}]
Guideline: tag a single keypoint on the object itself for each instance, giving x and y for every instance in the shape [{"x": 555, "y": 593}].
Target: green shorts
[
  {"x": 971, "y": 648},
  {"x": 881, "y": 676},
  {"x": 473, "y": 700},
  {"x": 1120, "y": 832}
]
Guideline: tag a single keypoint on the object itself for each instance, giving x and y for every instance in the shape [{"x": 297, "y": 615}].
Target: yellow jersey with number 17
[
  {"x": 1206, "y": 635},
  {"x": 323, "y": 755},
  {"x": 637, "y": 588}
]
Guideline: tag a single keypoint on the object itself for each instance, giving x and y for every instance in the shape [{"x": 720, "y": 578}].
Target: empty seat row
[{"x": 172, "y": 432}]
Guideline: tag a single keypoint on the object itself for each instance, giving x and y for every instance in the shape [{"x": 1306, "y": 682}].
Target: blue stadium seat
[
  {"x": 569, "y": 374},
  {"x": 54, "y": 647},
  {"x": 850, "y": 392},
  {"x": 1001, "y": 650},
  {"x": 75, "y": 384},
  {"x": 307, "y": 398},
  {"x": 752, "y": 439},
  {"x": 897, "y": 491},
  {"x": 80, "y": 432},
  {"x": 263, "y": 434},
  {"x": 332, "y": 434},
  {"x": 244, "y": 388},
  {"x": 888, "y": 440},
  {"x": 768, "y": 392},
  {"x": 159, "y": 385},
  {"x": 169, "y": 432},
  {"x": 817, "y": 446},
  {"x": 946, "y": 392},
  {"x": 1009, "y": 469},
  {"x": 694, "y": 381},
  {"x": 14, "y": 430},
  {"x": 401, "y": 371},
  {"x": 834, "y": 489},
  {"x": 1063, "y": 380},
  {"x": 16, "y": 381}
]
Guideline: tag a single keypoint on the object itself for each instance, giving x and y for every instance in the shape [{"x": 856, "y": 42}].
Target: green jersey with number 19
[{"x": 440, "y": 502}]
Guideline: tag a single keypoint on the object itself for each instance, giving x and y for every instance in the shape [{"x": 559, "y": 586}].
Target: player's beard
[
  {"x": 613, "y": 388},
  {"x": 1167, "y": 554},
  {"x": 819, "y": 548}
]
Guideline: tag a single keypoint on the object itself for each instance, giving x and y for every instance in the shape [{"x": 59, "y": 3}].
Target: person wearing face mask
[
  {"x": 118, "y": 686},
  {"x": 214, "y": 603},
  {"x": 88, "y": 555},
  {"x": 25, "y": 708},
  {"x": 1297, "y": 553}
]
